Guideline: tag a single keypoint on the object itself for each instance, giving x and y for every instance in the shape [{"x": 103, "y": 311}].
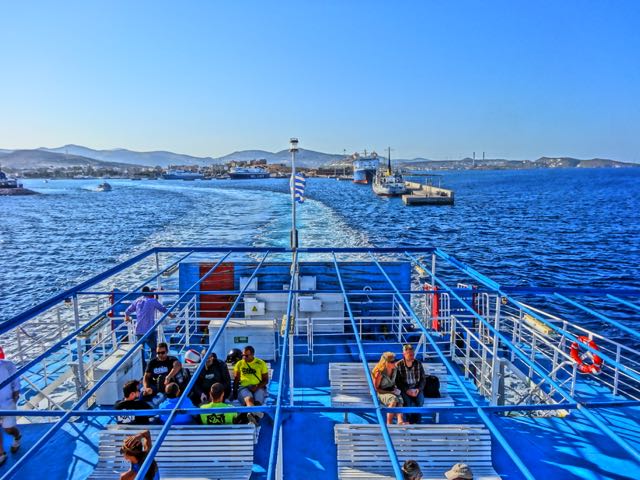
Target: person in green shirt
[
  {"x": 216, "y": 395},
  {"x": 251, "y": 376}
]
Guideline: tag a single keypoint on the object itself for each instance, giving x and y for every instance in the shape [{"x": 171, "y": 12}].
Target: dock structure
[{"x": 421, "y": 194}]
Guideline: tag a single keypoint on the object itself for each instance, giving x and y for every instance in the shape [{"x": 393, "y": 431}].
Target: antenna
[{"x": 388, "y": 160}]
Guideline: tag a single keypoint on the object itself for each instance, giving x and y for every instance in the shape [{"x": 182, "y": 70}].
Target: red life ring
[{"x": 596, "y": 362}]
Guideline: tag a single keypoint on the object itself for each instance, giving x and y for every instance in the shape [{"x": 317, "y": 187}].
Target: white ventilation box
[
  {"x": 309, "y": 304},
  {"x": 111, "y": 391}
]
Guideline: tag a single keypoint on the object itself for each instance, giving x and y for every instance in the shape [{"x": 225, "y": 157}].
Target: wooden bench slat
[
  {"x": 435, "y": 447},
  {"x": 193, "y": 451}
]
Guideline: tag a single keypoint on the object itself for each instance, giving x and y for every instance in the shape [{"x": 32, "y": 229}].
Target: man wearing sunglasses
[
  {"x": 161, "y": 371},
  {"x": 251, "y": 375}
]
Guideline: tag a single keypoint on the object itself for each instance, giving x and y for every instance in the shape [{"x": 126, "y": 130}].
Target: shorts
[
  {"x": 8, "y": 421},
  {"x": 259, "y": 395},
  {"x": 388, "y": 398}
]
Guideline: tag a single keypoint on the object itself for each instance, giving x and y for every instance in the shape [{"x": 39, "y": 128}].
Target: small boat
[
  {"x": 104, "y": 187},
  {"x": 389, "y": 183}
]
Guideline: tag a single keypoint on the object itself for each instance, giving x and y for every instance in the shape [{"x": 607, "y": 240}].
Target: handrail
[
  {"x": 277, "y": 421},
  {"x": 70, "y": 413},
  {"x": 363, "y": 358},
  {"x": 41, "y": 307},
  {"x": 590, "y": 416},
  {"x": 167, "y": 425},
  {"x": 487, "y": 421},
  {"x": 24, "y": 368}
]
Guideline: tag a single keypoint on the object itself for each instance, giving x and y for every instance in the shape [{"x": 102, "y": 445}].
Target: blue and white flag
[{"x": 299, "y": 184}]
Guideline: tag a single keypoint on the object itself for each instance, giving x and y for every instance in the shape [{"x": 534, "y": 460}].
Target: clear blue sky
[{"x": 516, "y": 79}]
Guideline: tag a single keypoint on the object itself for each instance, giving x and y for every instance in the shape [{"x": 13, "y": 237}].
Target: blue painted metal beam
[
  {"x": 60, "y": 343},
  {"x": 44, "y": 306},
  {"x": 624, "y": 302},
  {"x": 604, "y": 428},
  {"x": 599, "y": 315},
  {"x": 277, "y": 422},
  {"x": 167, "y": 425},
  {"x": 393, "y": 456},
  {"x": 483, "y": 416},
  {"x": 70, "y": 413}
]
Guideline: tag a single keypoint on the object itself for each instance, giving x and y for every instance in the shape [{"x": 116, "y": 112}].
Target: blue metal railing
[
  {"x": 167, "y": 425},
  {"x": 279, "y": 409}
]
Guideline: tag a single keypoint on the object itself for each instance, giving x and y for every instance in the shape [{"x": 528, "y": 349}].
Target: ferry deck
[{"x": 514, "y": 401}]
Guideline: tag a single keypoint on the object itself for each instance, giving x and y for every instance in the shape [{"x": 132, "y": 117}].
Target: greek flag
[{"x": 298, "y": 187}]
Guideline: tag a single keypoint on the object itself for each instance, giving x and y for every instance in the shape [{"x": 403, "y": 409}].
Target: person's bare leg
[
  {"x": 391, "y": 415},
  {"x": 248, "y": 401}
]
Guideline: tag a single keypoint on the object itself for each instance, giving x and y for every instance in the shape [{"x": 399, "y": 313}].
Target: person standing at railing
[
  {"x": 145, "y": 308},
  {"x": 9, "y": 395}
]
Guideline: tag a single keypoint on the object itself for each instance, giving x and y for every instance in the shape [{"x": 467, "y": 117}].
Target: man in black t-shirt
[
  {"x": 215, "y": 371},
  {"x": 161, "y": 371},
  {"x": 132, "y": 401}
]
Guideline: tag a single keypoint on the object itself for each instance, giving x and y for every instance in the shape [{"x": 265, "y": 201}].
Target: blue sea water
[{"x": 540, "y": 227}]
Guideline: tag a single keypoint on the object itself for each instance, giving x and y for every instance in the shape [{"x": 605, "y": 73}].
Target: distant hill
[
  {"x": 501, "y": 163},
  {"x": 32, "y": 159},
  {"x": 122, "y": 155},
  {"x": 568, "y": 162},
  {"x": 304, "y": 158}
]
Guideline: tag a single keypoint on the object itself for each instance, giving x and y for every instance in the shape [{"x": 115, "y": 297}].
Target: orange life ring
[{"x": 595, "y": 366}]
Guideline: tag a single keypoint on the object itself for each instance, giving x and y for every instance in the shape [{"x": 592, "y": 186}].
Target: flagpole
[{"x": 294, "y": 232}]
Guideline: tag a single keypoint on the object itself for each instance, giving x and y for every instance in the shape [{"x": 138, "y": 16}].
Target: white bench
[
  {"x": 188, "y": 451},
  {"x": 436, "y": 448},
  {"x": 349, "y": 385}
]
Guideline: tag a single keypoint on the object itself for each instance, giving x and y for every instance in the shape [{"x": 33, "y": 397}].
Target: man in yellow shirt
[{"x": 251, "y": 375}]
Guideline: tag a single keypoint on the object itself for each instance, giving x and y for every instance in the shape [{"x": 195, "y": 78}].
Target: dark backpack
[{"x": 432, "y": 387}]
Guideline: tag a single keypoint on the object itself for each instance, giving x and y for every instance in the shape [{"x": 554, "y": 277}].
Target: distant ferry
[
  {"x": 364, "y": 168},
  {"x": 182, "y": 175},
  {"x": 248, "y": 172}
]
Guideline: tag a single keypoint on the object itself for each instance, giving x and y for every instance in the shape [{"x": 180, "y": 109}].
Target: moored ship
[
  {"x": 365, "y": 167},
  {"x": 237, "y": 173},
  {"x": 182, "y": 175},
  {"x": 388, "y": 183}
]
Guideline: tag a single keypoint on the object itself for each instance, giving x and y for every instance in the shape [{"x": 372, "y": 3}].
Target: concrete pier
[{"x": 427, "y": 195}]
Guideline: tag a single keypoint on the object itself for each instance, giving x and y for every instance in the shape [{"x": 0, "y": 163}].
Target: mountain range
[{"x": 77, "y": 155}]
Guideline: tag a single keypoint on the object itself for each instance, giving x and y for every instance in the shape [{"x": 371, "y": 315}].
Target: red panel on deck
[{"x": 212, "y": 305}]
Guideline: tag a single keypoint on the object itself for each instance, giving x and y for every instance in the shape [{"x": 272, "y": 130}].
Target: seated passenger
[
  {"x": 131, "y": 401},
  {"x": 162, "y": 370},
  {"x": 410, "y": 381},
  {"x": 135, "y": 449},
  {"x": 252, "y": 376},
  {"x": 216, "y": 394},
  {"x": 411, "y": 470},
  {"x": 215, "y": 371},
  {"x": 460, "y": 471},
  {"x": 173, "y": 395},
  {"x": 384, "y": 381}
]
